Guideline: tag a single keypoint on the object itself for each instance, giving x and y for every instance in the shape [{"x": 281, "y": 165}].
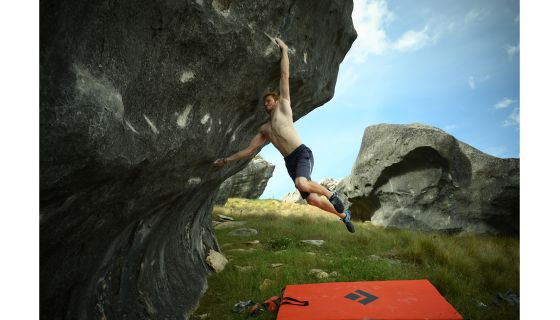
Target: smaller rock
[
  {"x": 276, "y": 265},
  {"x": 202, "y": 316},
  {"x": 243, "y": 232},
  {"x": 333, "y": 274},
  {"x": 267, "y": 283},
  {"x": 229, "y": 224},
  {"x": 252, "y": 243},
  {"x": 216, "y": 261},
  {"x": 225, "y": 218},
  {"x": 319, "y": 274},
  {"x": 480, "y": 304},
  {"x": 314, "y": 242}
]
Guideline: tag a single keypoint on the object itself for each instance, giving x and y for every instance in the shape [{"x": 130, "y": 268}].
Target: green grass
[{"x": 465, "y": 269}]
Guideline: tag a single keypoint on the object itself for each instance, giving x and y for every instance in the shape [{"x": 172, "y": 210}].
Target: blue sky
[{"x": 449, "y": 64}]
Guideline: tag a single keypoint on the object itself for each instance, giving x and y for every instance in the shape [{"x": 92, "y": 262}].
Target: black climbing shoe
[
  {"x": 347, "y": 221},
  {"x": 335, "y": 200}
]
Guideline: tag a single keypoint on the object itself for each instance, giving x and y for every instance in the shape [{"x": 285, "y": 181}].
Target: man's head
[{"x": 270, "y": 99}]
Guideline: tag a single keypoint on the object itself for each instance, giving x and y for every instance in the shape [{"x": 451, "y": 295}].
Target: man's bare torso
[{"x": 280, "y": 129}]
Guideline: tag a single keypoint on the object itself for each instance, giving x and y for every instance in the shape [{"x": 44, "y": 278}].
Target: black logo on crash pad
[{"x": 362, "y": 297}]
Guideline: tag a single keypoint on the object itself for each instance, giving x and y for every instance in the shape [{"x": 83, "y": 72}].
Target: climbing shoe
[
  {"x": 337, "y": 203},
  {"x": 347, "y": 221}
]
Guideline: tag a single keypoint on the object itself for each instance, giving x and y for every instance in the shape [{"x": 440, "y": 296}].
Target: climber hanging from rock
[{"x": 298, "y": 157}]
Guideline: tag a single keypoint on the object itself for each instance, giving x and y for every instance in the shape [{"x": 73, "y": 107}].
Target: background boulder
[
  {"x": 137, "y": 98},
  {"x": 419, "y": 177},
  {"x": 248, "y": 183}
]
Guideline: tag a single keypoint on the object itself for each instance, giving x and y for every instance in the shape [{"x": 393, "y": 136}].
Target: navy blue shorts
[{"x": 300, "y": 164}]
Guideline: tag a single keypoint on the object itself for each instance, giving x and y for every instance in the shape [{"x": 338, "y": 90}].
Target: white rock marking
[
  {"x": 195, "y": 180},
  {"x": 182, "y": 119},
  {"x": 130, "y": 127},
  {"x": 187, "y": 76},
  {"x": 152, "y": 125},
  {"x": 205, "y": 118}
]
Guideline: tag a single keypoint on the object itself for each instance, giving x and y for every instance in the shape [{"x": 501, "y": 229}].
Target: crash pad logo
[{"x": 361, "y": 297}]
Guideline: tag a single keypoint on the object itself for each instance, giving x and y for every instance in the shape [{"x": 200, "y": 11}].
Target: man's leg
[
  {"x": 318, "y": 201},
  {"x": 322, "y": 203},
  {"x": 308, "y": 186},
  {"x": 304, "y": 185}
]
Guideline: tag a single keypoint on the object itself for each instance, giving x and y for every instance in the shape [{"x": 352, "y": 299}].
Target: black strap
[{"x": 295, "y": 302}]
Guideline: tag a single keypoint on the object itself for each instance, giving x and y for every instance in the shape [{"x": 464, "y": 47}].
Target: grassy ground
[{"x": 467, "y": 270}]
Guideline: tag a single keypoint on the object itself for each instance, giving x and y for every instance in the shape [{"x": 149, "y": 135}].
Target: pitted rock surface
[
  {"x": 421, "y": 178},
  {"x": 137, "y": 98}
]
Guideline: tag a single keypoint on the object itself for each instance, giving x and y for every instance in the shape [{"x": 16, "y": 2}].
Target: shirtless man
[{"x": 281, "y": 132}]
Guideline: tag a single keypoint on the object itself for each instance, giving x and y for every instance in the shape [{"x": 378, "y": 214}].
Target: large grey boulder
[
  {"x": 248, "y": 183},
  {"x": 419, "y": 177},
  {"x": 137, "y": 98}
]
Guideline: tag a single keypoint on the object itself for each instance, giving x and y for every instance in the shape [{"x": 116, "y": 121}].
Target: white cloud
[
  {"x": 412, "y": 40},
  {"x": 475, "y": 15},
  {"x": 512, "y": 50},
  {"x": 512, "y": 119},
  {"x": 451, "y": 27},
  {"x": 504, "y": 103},
  {"x": 370, "y": 18},
  {"x": 472, "y": 82}
]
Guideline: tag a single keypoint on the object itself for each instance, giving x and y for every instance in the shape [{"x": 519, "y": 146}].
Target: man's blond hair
[{"x": 274, "y": 95}]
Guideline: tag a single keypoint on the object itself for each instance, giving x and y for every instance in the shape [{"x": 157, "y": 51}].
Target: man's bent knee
[{"x": 302, "y": 185}]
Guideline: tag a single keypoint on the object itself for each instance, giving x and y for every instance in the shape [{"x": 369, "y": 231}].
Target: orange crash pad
[{"x": 399, "y": 299}]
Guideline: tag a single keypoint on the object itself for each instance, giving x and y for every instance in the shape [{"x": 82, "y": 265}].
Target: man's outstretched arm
[
  {"x": 284, "y": 70},
  {"x": 257, "y": 141}
]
